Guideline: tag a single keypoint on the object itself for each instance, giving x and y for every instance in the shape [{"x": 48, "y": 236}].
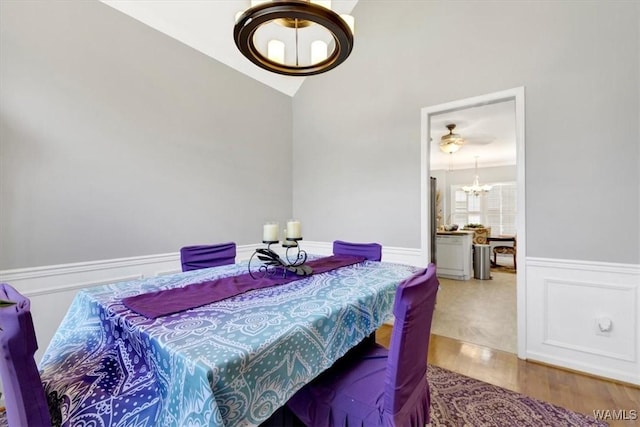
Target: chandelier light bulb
[{"x": 476, "y": 189}]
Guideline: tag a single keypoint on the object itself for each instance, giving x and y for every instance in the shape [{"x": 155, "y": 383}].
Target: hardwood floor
[{"x": 571, "y": 390}]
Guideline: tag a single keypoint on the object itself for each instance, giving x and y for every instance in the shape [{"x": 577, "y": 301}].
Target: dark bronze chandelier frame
[{"x": 250, "y": 20}]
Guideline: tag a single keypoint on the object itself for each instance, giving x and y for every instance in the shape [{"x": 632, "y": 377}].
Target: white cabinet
[{"x": 453, "y": 255}]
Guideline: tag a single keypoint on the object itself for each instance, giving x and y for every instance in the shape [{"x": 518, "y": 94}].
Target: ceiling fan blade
[{"x": 480, "y": 139}]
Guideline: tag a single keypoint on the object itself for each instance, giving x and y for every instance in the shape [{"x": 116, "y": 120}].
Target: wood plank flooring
[{"x": 571, "y": 390}]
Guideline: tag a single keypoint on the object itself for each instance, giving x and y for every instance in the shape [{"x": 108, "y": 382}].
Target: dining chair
[
  {"x": 102, "y": 383},
  {"x": 205, "y": 256},
  {"x": 371, "y": 251},
  {"x": 374, "y": 386},
  {"x": 25, "y": 401},
  {"x": 506, "y": 250}
]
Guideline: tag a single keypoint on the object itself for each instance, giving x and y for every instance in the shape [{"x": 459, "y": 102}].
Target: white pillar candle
[
  {"x": 270, "y": 232},
  {"x": 294, "y": 230}
]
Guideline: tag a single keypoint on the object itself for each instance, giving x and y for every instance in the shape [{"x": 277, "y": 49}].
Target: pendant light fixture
[
  {"x": 451, "y": 142},
  {"x": 294, "y": 37},
  {"x": 476, "y": 189}
]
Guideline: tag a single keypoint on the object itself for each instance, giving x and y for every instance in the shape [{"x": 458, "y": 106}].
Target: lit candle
[
  {"x": 270, "y": 232},
  {"x": 294, "y": 230}
]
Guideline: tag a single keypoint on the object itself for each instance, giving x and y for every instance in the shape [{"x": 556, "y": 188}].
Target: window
[{"x": 495, "y": 209}]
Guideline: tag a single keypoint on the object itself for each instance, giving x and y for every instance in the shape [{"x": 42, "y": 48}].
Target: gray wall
[
  {"x": 116, "y": 140},
  {"x": 357, "y": 129}
]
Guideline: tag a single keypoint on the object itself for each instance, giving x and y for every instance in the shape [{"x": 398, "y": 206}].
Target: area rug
[
  {"x": 457, "y": 400},
  {"x": 460, "y": 401}
]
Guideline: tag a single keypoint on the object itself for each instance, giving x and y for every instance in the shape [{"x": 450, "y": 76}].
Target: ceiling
[
  {"x": 207, "y": 26},
  {"x": 489, "y": 132}
]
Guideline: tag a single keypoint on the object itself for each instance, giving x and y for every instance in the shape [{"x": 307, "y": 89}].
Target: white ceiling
[
  {"x": 489, "y": 132},
  {"x": 207, "y": 26}
]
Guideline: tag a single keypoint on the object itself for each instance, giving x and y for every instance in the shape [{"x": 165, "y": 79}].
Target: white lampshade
[
  {"x": 450, "y": 148},
  {"x": 319, "y": 51},
  {"x": 275, "y": 51}
]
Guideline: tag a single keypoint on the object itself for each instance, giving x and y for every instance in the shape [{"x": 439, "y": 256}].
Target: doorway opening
[{"x": 511, "y": 100}]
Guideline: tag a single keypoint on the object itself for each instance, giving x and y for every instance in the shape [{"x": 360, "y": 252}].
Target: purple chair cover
[
  {"x": 205, "y": 256},
  {"x": 95, "y": 380},
  {"x": 371, "y": 251},
  {"x": 373, "y": 386},
  {"x": 24, "y": 395}
]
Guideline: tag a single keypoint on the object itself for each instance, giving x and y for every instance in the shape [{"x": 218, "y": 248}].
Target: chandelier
[
  {"x": 294, "y": 37},
  {"x": 451, "y": 142},
  {"x": 475, "y": 188}
]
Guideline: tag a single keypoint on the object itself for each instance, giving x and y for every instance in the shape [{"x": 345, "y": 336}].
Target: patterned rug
[
  {"x": 460, "y": 401},
  {"x": 457, "y": 400}
]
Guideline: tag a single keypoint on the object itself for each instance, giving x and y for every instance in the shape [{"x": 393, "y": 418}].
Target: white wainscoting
[
  {"x": 566, "y": 299},
  {"x": 51, "y": 289}
]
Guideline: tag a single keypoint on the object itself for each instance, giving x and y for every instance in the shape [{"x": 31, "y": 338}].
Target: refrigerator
[{"x": 433, "y": 218}]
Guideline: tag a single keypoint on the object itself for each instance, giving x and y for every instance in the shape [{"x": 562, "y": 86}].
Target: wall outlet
[{"x": 604, "y": 325}]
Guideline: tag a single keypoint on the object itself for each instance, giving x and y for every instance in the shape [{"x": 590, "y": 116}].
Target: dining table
[{"x": 231, "y": 362}]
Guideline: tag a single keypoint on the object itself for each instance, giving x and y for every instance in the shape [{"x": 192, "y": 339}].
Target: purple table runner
[{"x": 169, "y": 301}]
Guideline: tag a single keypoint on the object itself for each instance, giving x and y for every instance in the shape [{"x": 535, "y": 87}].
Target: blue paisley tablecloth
[{"x": 229, "y": 363}]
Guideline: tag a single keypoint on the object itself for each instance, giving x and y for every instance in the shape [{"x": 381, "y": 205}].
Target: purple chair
[
  {"x": 371, "y": 251},
  {"x": 29, "y": 404},
  {"x": 205, "y": 256},
  {"x": 25, "y": 400},
  {"x": 375, "y": 386}
]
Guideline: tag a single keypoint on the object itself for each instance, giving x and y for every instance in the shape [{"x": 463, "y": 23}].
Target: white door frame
[{"x": 516, "y": 95}]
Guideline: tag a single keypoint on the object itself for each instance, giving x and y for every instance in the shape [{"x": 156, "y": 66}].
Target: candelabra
[{"x": 272, "y": 264}]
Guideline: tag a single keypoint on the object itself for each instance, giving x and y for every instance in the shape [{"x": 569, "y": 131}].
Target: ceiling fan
[{"x": 451, "y": 142}]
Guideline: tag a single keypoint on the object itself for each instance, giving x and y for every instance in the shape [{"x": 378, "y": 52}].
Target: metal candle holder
[{"x": 272, "y": 264}]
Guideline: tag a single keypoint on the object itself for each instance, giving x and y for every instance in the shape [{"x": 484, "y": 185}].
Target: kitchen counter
[
  {"x": 453, "y": 254},
  {"x": 454, "y": 233}
]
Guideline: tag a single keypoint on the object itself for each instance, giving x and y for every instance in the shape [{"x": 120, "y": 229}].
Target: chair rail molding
[{"x": 52, "y": 288}]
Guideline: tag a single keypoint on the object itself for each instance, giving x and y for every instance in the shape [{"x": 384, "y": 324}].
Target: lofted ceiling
[{"x": 207, "y": 26}]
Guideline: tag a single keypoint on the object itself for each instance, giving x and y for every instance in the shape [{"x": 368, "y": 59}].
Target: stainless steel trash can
[{"x": 482, "y": 262}]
